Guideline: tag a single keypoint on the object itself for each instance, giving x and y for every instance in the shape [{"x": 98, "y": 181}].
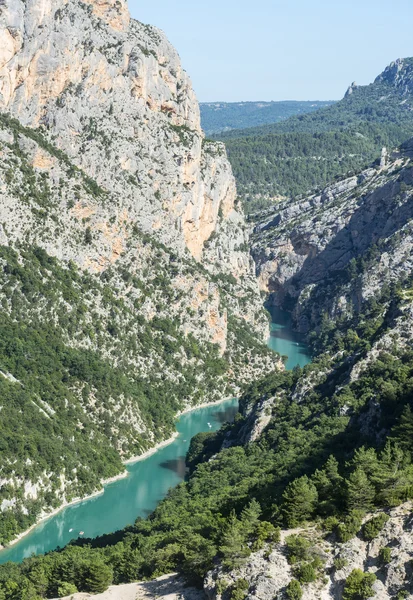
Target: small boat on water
[
  {"x": 209, "y": 425},
  {"x": 81, "y": 533},
  {"x": 70, "y": 530}
]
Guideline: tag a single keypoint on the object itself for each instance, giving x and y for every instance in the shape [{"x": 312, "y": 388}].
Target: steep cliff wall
[
  {"x": 330, "y": 252},
  {"x": 112, "y": 94}
]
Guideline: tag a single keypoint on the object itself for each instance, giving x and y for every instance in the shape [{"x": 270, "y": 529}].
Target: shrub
[
  {"x": 239, "y": 589},
  {"x": 306, "y": 573},
  {"x": 297, "y": 548},
  {"x": 330, "y": 524},
  {"x": 88, "y": 236},
  {"x": 265, "y": 532},
  {"x": 294, "y": 591},
  {"x": 372, "y": 528},
  {"x": 340, "y": 563},
  {"x": 221, "y": 586},
  {"x": 65, "y": 589},
  {"x": 385, "y": 556},
  {"x": 359, "y": 585},
  {"x": 350, "y": 526}
]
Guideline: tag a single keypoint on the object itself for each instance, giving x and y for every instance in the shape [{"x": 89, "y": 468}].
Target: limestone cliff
[
  {"x": 112, "y": 94},
  {"x": 306, "y": 249}
]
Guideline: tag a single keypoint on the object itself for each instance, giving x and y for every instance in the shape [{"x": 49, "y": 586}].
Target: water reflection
[
  {"x": 284, "y": 340},
  {"x": 226, "y": 416}
]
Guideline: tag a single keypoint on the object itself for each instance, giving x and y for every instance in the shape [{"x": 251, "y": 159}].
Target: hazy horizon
[{"x": 281, "y": 51}]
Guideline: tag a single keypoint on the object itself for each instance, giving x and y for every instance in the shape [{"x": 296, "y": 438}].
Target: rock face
[
  {"x": 267, "y": 573},
  {"x": 400, "y": 75},
  {"x": 305, "y": 244},
  {"x": 112, "y": 94}
]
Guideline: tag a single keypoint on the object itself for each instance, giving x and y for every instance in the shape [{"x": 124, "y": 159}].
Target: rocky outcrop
[
  {"x": 112, "y": 94},
  {"x": 399, "y": 74},
  {"x": 267, "y": 573}
]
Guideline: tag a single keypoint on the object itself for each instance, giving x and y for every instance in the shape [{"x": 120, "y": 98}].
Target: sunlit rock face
[{"x": 112, "y": 94}]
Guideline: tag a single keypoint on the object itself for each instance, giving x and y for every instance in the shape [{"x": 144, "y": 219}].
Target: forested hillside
[
  {"x": 308, "y": 151},
  {"x": 217, "y": 117},
  {"x": 331, "y": 451}
]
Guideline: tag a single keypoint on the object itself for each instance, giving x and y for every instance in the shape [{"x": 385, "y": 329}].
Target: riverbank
[
  {"x": 45, "y": 516},
  {"x": 135, "y": 459}
]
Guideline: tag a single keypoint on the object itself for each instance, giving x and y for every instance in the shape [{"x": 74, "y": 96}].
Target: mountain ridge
[{"x": 306, "y": 152}]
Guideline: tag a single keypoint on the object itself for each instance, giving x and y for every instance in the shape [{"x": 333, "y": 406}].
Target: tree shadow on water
[{"x": 177, "y": 465}]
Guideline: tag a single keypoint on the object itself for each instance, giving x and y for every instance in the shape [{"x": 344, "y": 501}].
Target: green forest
[
  {"x": 306, "y": 152},
  {"x": 67, "y": 340}
]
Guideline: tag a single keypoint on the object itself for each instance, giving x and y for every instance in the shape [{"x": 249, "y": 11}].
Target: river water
[
  {"x": 150, "y": 479},
  {"x": 286, "y": 341}
]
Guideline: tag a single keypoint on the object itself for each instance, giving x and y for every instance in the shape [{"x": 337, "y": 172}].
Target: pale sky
[{"x": 236, "y": 50}]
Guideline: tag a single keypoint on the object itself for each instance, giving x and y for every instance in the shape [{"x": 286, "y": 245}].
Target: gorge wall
[
  {"x": 112, "y": 94},
  {"x": 123, "y": 252}
]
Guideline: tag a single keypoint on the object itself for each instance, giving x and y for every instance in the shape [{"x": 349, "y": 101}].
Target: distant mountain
[
  {"x": 305, "y": 152},
  {"x": 217, "y": 117}
]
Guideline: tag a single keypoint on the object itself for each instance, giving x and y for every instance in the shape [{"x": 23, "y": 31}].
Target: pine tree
[
  {"x": 250, "y": 517},
  {"x": 233, "y": 548},
  {"x": 360, "y": 492},
  {"x": 329, "y": 484},
  {"x": 394, "y": 476},
  {"x": 299, "y": 500},
  {"x": 403, "y": 432},
  {"x": 98, "y": 578}
]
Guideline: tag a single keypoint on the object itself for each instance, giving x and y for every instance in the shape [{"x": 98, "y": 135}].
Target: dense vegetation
[
  {"x": 68, "y": 372},
  {"x": 315, "y": 461},
  {"x": 223, "y": 116},
  {"x": 306, "y": 152}
]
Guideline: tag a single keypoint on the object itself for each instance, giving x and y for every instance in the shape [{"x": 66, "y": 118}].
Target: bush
[
  {"x": 385, "y": 556},
  {"x": 239, "y": 589},
  {"x": 359, "y": 585},
  {"x": 294, "y": 591},
  {"x": 65, "y": 589},
  {"x": 306, "y": 573},
  {"x": 297, "y": 548},
  {"x": 348, "y": 528},
  {"x": 340, "y": 563},
  {"x": 265, "y": 532},
  {"x": 330, "y": 524},
  {"x": 372, "y": 528}
]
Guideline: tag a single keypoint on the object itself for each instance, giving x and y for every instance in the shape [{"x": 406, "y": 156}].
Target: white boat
[
  {"x": 70, "y": 530},
  {"x": 81, "y": 533}
]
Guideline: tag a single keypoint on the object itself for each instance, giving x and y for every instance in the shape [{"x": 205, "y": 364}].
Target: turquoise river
[{"x": 149, "y": 479}]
